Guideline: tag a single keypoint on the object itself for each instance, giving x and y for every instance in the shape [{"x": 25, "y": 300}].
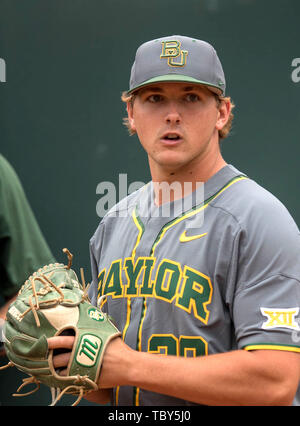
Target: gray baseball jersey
[{"x": 178, "y": 286}]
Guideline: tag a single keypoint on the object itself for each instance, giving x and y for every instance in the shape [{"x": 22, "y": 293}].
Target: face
[{"x": 177, "y": 124}]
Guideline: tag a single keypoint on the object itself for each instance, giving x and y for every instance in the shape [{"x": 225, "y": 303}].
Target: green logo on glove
[
  {"x": 95, "y": 314},
  {"x": 88, "y": 350}
]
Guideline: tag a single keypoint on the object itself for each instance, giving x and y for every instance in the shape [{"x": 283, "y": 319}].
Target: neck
[{"x": 174, "y": 183}]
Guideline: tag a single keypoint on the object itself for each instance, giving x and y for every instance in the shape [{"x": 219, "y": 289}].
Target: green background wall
[{"x": 67, "y": 62}]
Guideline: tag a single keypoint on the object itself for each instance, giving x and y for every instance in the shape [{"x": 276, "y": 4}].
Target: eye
[
  {"x": 154, "y": 98},
  {"x": 192, "y": 97}
]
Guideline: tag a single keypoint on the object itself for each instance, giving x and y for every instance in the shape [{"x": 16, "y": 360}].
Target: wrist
[
  {"x": 127, "y": 362},
  {"x": 131, "y": 368},
  {"x": 118, "y": 365}
]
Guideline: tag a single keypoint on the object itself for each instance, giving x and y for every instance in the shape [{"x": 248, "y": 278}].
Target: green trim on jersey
[
  {"x": 139, "y": 224},
  {"x": 278, "y": 347},
  {"x": 136, "y": 390}
]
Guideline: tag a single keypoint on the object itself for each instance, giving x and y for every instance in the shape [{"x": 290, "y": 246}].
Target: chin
[{"x": 172, "y": 166}]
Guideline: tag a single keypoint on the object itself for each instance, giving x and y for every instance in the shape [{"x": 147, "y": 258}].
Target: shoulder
[
  {"x": 267, "y": 239},
  {"x": 250, "y": 204},
  {"x": 4, "y": 164},
  {"x": 8, "y": 176},
  {"x": 13, "y": 198}
]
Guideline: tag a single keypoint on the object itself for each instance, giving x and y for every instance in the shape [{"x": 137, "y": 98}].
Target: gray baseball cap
[{"x": 177, "y": 59}]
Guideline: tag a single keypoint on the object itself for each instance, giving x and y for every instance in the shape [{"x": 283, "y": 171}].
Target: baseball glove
[{"x": 52, "y": 302}]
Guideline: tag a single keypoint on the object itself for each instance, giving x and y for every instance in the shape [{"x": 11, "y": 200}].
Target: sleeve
[
  {"x": 23, "y": 248},
  {"x": 267, "y": 290}
]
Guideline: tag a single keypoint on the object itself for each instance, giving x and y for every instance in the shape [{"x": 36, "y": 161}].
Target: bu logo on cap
[{"x": 171, "y": 50}]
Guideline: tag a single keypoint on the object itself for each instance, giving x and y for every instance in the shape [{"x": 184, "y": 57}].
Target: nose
[{"x": 172, "y": 115}]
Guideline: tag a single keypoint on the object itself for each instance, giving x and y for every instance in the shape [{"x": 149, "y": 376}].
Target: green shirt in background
[{"x": 23, "y": 248}]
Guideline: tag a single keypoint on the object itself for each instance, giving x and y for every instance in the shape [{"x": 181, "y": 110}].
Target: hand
[
  {"x": 115, "y": 364},
  {"x": 61, "y": 361}
]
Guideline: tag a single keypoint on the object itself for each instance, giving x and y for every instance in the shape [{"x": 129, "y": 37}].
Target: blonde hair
[{"x": 223, "y": 133}]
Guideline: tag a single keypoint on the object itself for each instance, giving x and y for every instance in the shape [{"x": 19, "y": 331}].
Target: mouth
[{"x": 171, "y": 138}]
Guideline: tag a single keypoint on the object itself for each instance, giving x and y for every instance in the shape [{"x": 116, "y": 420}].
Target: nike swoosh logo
[{"x": 184, "y": 238}]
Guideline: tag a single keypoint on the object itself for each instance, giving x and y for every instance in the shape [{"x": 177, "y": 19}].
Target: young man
[{"x": 207, "y": 296}]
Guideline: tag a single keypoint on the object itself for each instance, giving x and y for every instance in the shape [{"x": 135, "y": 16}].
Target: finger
[
  {"x": 63, "y": 373},
  {"x": 61, "y": 360},
  {"x": 60, "y": 342}
]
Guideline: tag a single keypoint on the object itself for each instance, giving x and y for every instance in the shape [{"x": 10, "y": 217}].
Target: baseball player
[{"x": 207, "y": 295}]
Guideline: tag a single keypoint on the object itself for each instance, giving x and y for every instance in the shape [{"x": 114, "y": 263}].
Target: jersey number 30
[{"x": 168, "y": 344}]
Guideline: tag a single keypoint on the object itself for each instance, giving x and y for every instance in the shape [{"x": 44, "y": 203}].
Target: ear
[
  {"x": 223, "y": 114},
  {"x": 130, "y": 116}
]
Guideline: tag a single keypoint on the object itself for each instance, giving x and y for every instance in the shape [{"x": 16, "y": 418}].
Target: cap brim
[{"x": 176, "y": 78}]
